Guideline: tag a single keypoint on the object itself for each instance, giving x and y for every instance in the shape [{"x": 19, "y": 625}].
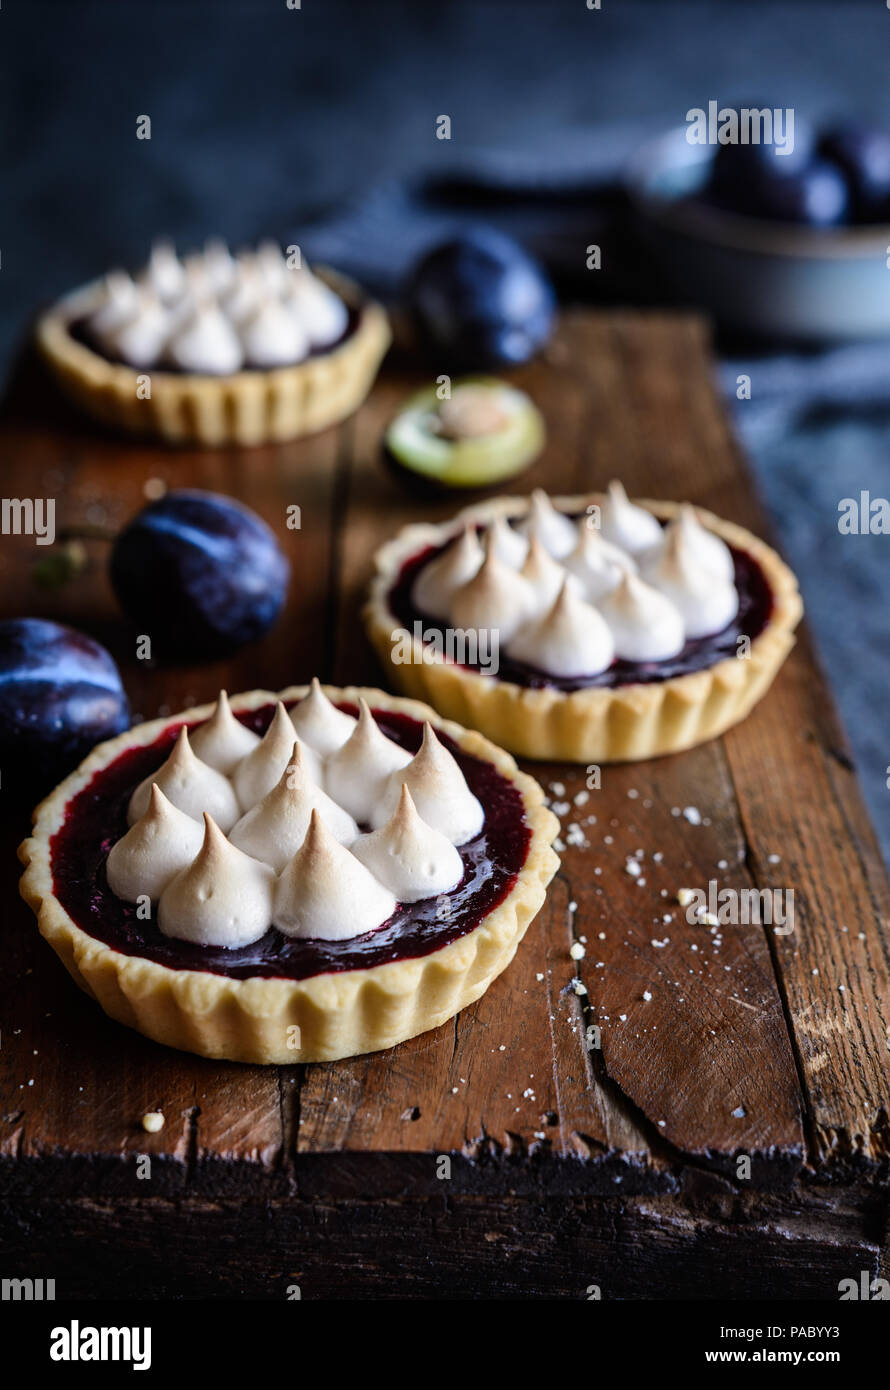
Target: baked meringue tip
[
  {"x": 275, "y": 828},
  {"x": 441, "y": 795},
  {"x": 326, "y": 893},
  {"x": 409, "y": 856},
  {"x": 190, "y": 784},
  {"x": 569, "y": 639},
  {"x": 356, "y": 774},
  {"x": 223, "y": 898},
  {"x": 495, "y": 598},
  {"x": 222, "y": 740},
  {"x": 438, "y": 581},
  {"x": 706, "y": 599},
  {"x": 645, "y": 624},
  {"x": 510, "y": 545},
  {"x": 554, "y": 529},
  {"x": 261, "y": 769},
  {"x": 155, "y": 848},
  {"x": 319, "y": 723},
  {"x": 627, "y": 524}
]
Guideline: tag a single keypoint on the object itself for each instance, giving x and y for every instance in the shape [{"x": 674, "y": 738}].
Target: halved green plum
[{"x": 484, "y": 432}]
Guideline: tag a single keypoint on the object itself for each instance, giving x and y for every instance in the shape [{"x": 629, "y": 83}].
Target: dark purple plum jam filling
[
  {"x": 755, "y": 607},
  {"x": 80, "y": 332},
  {"x": 97, "y": 817}
]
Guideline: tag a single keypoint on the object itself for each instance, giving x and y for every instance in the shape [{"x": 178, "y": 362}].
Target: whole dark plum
[
  {"x": 817, "y": 197},
  {"x": 200, "y": 574},
  {"x": 739, "y": 169},
  {"x": 60, "y": 695},
  {"x": 481, "y": 301},
  {"x": 863, "y": 156}
]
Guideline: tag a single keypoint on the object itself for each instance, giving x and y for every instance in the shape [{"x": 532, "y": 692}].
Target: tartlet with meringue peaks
[
  {"x": 290, "y": 878},
  {"x": 585, "y": 629},
  {"x": 217, "y": 348}
]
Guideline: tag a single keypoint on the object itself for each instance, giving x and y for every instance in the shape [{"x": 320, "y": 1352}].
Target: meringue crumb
[
  {"x": 692, "y": 814},
  {"x": 685, "y": 896},
  {"x": 152, "y": 1121},
  {"x": 647, "y": 995},
  {"x": 576, "y": 951}
]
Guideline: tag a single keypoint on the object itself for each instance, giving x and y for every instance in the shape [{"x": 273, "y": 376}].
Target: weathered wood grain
[
  {"x": 440, "y": 1247},
  {"x": 623, "y": 1153}
]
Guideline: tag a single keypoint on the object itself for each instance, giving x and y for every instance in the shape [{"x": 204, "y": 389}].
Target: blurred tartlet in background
[{"x": 217, "y": 349}]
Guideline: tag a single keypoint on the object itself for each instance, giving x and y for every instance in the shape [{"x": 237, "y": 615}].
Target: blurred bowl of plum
[{"x": 791, "y": 247}]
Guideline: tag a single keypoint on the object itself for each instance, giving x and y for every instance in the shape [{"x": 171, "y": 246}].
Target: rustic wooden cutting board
[{"x": 616, "y": 1167}]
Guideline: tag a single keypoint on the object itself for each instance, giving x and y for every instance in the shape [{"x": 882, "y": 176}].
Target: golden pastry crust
[
  {"x": 336, "y": 1015},
  {"x": 245, "y": 408},
  {"x": 624, "y": 724}
]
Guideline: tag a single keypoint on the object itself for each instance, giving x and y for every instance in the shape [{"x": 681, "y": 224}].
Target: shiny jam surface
[
  {"x": 97, "y": 817},
  {"x": 755, "y": 607}
]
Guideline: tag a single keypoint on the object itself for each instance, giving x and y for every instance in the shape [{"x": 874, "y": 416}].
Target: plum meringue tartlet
[
  {"x": 215, "y": 348},
  {"x": 589, "y": 628},
  {"x": 290, "y": 878}
]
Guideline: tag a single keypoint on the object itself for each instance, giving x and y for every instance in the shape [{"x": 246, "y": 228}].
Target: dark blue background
[{"x": 266, "y": 119}]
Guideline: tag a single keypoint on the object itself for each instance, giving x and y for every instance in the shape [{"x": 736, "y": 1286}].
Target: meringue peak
[
  {"x": 437, "y": 582},
  {"x": 543, "y": 575},
  {"x": 627, "y": 525},
  {"x": 706, "y": 600},
  {"x": 410, "y": 857},
  {"x": 272, "y": 336},
  {"x": 596, "y": 563},
  {"x": 571, "y": 639},
  {"x": 509, "y": 544},
  {"x": 223, "y": 740},
  {"x": 356, "y": 774},
  {"x": 223, "y": 898},
  {"x": 205, "y": 342},
  {"x": 190, "y": 784},
  {"x": 260, "y": 771},
  {"x": 321, "y": 313},
  {"x": 496, "y": 597},
  {"x": 326, "y": 893},
  {"x": 554, "y": 529},
  {"x": 161, "y": 843},
  {"x": 138, "y": 336},
  {"x": 710, "y": 551},
  {"x": 439, "y": 790},
  {"x": 276, "y": 827},
  {"x": 319, "y": 723},
  {"x": 165, "y": 272},
  {"x": 645, "y": 624}
]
